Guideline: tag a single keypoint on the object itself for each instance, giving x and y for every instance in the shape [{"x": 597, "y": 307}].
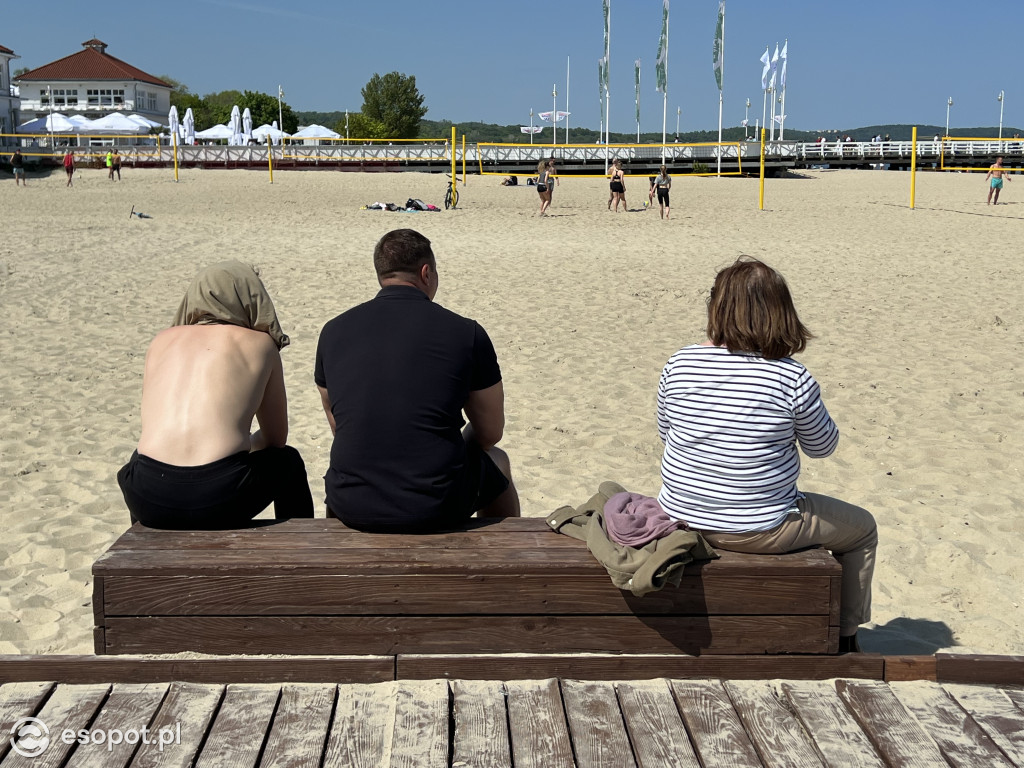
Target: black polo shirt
[{"x": 398, "y": 370}]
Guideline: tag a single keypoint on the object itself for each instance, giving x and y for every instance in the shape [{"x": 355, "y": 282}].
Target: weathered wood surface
[{"x": 543, "y": 723}]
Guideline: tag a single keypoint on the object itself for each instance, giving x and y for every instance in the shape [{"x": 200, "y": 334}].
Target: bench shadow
[
  {"x": 677, "y": 614},
  {"x": 906, "y": 636}
]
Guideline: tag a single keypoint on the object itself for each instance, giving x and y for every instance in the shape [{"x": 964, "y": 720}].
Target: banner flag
[
  {"x": 637, "y": 65},
  {"x": 767, "y": 61},
  {"x": 719, "y": 49},
  {"x": 775, "y": 66},
  {"x": 785, "y": 58},
  {"x": 546, "y": 116},
  {"x": 661, "y": 63},
  {"x": 531, "y": 128},
  {"x": 607, "y": 27}
]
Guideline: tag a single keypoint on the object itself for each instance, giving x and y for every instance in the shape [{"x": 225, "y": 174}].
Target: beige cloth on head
[{"x": 230, "y": 293}]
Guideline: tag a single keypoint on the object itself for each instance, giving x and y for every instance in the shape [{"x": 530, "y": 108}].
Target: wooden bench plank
[
  {"x": 895, "y": 734},
  {"x": 129, "y": 707},
  {"x": 623, "y": 666},
  {"x": 536, "y": 724},
  {"x": 299, "y": 733},
  {"x": 962, "y": 741},
  {"x": 837, "y": 736},
  {"x": 18, "y": 700},
  {"x": 68, "y": 707},
  {"x": 655, "y": 728},
  {"x": 481, "y": 725},
  {"x": 363, "y": 725},
  {"x": 467, "y": 634},
  {"x": 596, "y": 726},
  {"x": 187, "y": 711},
  {"x": 412, "y": 593},
  {"x": 979, "y": 670},
  {"x": 239, "y": 730},
  {"x": 778, "y": 737},
  {"x": 714, "y": 727},
  {"x": 421, "y": 724},
  {"x": 997, "y": 715}
]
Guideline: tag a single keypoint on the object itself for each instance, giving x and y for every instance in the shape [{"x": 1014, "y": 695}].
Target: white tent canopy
[
  {"x": 219, "y": 131},
  {"x": 55, "y": 123},
  {"x": 316, "y": 132},
  {"x": 145, "y": 121},
  {"x": 264, "y": 130},
  {"x": 116, "y": 123}
]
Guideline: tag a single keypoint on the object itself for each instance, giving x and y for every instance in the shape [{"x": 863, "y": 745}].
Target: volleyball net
[{"x": 682, "y": 159}]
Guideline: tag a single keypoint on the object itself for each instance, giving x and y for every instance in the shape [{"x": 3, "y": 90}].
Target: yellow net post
[
  {"x": 270, "y": 158},
  {"x": 175, "y": 140},
  {"x": 463, "y": 159},
  {"x": 454, "y": 176},
  {"x": 761, "y": 203},
  {"x": 913, "y": 167}
]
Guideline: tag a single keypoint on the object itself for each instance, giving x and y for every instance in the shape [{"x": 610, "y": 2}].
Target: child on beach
[
  {"x": 206, "y": 377},
  {"x": 732, "y": 412}
]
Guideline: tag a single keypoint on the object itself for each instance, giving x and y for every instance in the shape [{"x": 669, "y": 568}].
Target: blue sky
[{"x": 851, "y": 64}]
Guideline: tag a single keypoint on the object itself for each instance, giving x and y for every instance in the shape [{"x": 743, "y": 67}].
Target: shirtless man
[
  {"x": 996, "y": 173},
  {"x": 205, "y": 379}
]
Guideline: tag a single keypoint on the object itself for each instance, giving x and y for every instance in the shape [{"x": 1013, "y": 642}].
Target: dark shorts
[
  {"x": 617, "y": 186},
  {"x": 663, "y": 196}
]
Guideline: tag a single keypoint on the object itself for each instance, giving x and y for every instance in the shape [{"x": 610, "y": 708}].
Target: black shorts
[
  {"x": 617, "y": 186},
  {"x": 663, "y": 196}
]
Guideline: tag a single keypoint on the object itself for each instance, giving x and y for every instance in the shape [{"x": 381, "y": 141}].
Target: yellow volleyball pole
[
  {"x": 454, "y": 176},
  {"x": 463, "y": 159},
  {"x": 762, "y": 171},
  {"x": 270, "y": 157},
  {"x": 913, "y": 167},
  {"x": 175, "y": 155}
]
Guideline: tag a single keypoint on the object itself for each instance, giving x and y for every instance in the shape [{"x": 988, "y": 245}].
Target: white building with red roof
[
  {"x": 92, "y": 83},
  {"x": 9, "y": 101}
]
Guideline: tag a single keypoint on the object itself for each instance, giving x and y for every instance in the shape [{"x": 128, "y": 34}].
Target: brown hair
[
  {"x": 401, "y": 251},
  {"x": 750, "y": 310}
]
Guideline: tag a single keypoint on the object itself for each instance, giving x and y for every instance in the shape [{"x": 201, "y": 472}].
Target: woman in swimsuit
[
  {"x": 662, "y": 184},
  {"x": 544, "y": 182},
  {"x": 618, "y": 187}
]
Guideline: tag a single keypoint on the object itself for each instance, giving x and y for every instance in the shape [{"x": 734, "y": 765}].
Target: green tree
[
  {"x": 362, "y": 127},
  {"x": 219, "y": 105},
  {"x": 394, "y": 103},
  {"x": 263, "y": 109}
]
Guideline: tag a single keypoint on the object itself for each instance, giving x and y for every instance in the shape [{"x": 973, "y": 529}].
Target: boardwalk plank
[
  {"x": 595, "y": 723},
  {"x": 777, "y": 735},
  {"x": 363, "y": 726},
  {"x": 715, "y": 728},
  {"x": 537, "y": 727},
  {"x": 897, "y": 736},
  {"x": 655, "y": 728},
  {"x": 129, "y": 707},
  {"x": 961, "y": 739},
  {"x": 68, "y": 707},
  {"x": 299, "y": 733},
  {"x": 481, "y": 725},
  {"x": 837, "y": 736},
  {"x": 998, "y": 716},
  {"x": 1017, "y": 697},
  {"x": 186, "y": 714},
  {"x": 421, "y": 724},
  {"x": 240, "y": 728},
  {"x": 18, "y": 700}
]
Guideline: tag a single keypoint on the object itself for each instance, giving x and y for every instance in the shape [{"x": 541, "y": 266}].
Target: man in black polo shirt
[{"x": 395, "y": 375}]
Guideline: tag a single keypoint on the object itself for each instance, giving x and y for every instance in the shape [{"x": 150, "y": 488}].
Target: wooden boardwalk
[{"x": 547, "y": 723}]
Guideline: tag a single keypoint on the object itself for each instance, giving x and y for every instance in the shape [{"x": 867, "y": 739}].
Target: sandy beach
[{"x": 918, "y": 317}]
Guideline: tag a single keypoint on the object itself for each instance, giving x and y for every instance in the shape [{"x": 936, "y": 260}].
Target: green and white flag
[
  {"x": 661, "y": 63},
  {"x": 607, "y": 26},
  {"x": 719, "y": 52},
  {"x": 637, "y": 65}
]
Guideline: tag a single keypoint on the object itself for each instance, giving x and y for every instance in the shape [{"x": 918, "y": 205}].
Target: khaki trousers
[{"x": 847, "y": 531}]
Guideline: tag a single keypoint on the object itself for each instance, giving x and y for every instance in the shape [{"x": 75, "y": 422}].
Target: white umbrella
[
  {"x": 316, "y": 132},
  {"x": 219, "y": 131},
  {"x": 116, "y": 123},
  {"x": 247, "y": 124},
  {"x": 172, "y": 124},
  {"x": 143, "y": 121},
  {"x": 263, "y": 131},
  {"x": 190, "y": 127},
  {"x": 55, "y": 123},
  {"x": 235, "y": 126}
]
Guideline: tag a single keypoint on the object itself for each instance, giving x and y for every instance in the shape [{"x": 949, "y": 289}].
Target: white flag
[
  {"x": 531, "y": 128},
  {"x": 767, "y": 61},
  {"x": 785, "y": 59},
  {"x": 775, "y": 65},
  {"x": 661, "y": 62},
  {"x": 718, "y": 57},
  {"x": 559, "y": 116}
]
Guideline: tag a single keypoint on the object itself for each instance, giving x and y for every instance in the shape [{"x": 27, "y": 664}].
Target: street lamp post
[
  {"x": 1000, "y": 97},
  {"x": 531, "y": 125},
  {"x": 678, "y": 110},
  {"x": 948, "y": 105},
  {"x": 746, "y": 113},
  {"x": 49, "y": 103},
  {"x": 280, "y": 114},
  {"x": 554, "y": 114}
]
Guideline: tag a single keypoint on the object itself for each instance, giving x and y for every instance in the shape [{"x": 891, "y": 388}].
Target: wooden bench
[{"x": 498, "y": 587}]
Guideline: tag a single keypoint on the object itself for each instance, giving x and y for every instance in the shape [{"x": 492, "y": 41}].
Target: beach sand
[{"x": 918, "y": 318}]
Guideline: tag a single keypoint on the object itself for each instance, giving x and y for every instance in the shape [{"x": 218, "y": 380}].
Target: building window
[
  {"x": 44, "y": 97},
  {"x": 105, "y": 97},
  {"x": 64, "y": 97}
]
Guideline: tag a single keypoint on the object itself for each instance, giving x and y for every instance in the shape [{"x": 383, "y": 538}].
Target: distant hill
[{"x": 510, "y": 134}]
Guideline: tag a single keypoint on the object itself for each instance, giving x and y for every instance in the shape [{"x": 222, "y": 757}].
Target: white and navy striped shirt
[{"x": 731, "y": 423}]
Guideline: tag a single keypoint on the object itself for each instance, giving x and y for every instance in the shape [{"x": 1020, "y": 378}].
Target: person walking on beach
[
  {"x": 662, "y": 184},
  {"x": 732, "y": 413},
  {"x": 545, "y": 185},
  {"x": 395, "y": 376},
  {"x": 69, "y": 165},
  {"x": 617, "y": 186},
  {"x": 206, "y": 377},
  {"x": 996, "y": 173},
  {"x": 18, "y": 166},
  {"x": 115, "y": 165},
  {"x": 110, "y": 165}
]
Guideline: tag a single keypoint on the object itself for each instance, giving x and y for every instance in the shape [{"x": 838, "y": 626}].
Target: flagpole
[
  {"x": 664, "y": 101},
  {"x": 554, "y": 114},
  {"x": 566, "y": 99},
  {"x": 785, "y": 64},
  {"x": 607, "y": 87},
  {"x": 720, "y": 91},
  {"x": 637, "y": 65},
  {"x": 531, "y": 125}
]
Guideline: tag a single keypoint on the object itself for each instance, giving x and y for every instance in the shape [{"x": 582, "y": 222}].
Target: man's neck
[{"x": 393, "y": 281}]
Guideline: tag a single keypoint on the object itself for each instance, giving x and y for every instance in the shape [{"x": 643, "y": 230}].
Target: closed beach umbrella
[
  {"x": 190, "y": 127},
  {"x": 247, "y": 124},
  {"x": 235, "y": 126},
  {"x": 172, "y": 122}
]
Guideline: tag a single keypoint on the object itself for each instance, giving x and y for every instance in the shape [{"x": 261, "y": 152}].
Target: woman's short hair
[
  {"x": 750, "y": 310},
  {"x": 401, "y": 252}
]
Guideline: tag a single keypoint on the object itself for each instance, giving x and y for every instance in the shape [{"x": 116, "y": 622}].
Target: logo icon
[{"x": 30, "y": 737}]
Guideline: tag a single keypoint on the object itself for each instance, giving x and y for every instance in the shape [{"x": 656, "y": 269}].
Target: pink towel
[{"x": 634, "y": 520}]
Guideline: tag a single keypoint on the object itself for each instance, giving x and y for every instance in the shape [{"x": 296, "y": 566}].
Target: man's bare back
[{"x": 201, "y": 387}]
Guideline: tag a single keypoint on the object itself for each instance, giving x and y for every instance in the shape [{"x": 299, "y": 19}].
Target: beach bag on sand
[{"x": 415, "y": 205}]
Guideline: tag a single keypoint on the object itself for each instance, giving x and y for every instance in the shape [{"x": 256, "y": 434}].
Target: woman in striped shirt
[{"x": 731, "y": 412}]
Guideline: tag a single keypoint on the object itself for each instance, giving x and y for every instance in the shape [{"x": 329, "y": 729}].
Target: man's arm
[
  {"x": 326, "y": 401},
  {"x": 272, "y": 414},
  {"x": 485, "y": 409}
]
